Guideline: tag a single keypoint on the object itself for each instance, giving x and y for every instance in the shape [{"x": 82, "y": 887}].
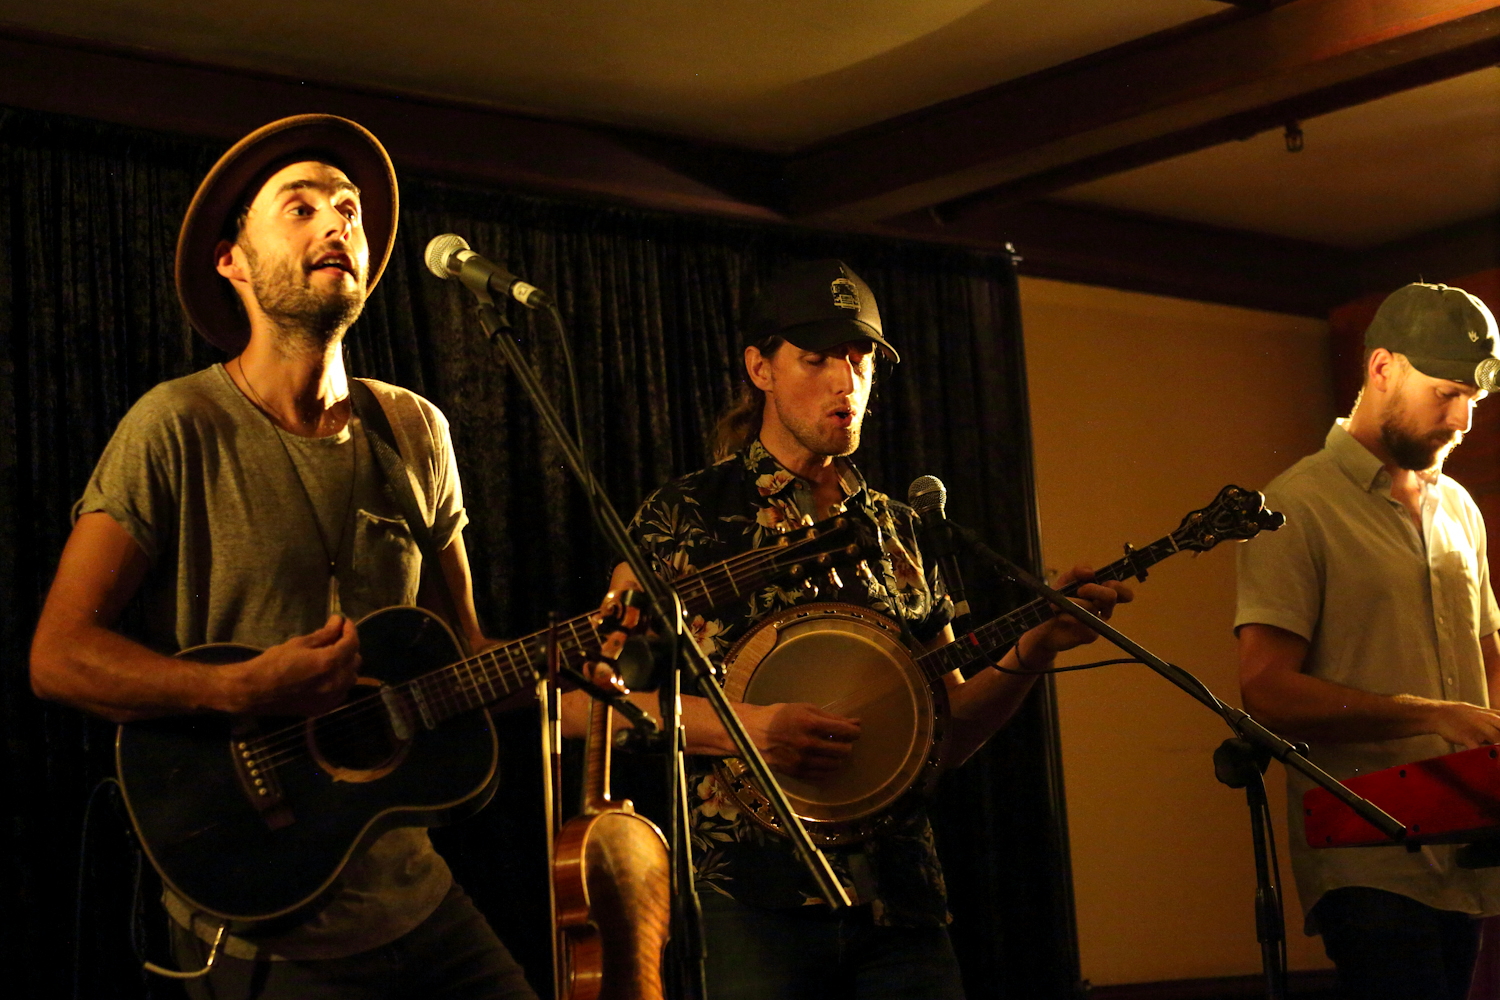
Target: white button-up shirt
[{"x": 1385, "y": 608}]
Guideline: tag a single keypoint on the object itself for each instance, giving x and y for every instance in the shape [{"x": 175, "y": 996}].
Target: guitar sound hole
[{"x": 357, "y": 739}]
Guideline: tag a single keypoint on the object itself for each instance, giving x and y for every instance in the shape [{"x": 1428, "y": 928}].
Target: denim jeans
[
  {"x": 813, "y": 954},
  {"x": 452, "y": 955},
  {"x": 1386, "y": 945}
]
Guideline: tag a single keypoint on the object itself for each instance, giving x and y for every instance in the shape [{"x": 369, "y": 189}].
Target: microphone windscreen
[
  {"x": 440, "y": 249},
  {"x": 1487, "y": 374},
  {"x": 926, "y": 493}
]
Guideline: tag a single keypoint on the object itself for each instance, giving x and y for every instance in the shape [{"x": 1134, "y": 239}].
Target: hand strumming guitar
[{"x": 306, "y": 675}]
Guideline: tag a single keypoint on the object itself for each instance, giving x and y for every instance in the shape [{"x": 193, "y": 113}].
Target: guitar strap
[{"x": 398, "y": 485}]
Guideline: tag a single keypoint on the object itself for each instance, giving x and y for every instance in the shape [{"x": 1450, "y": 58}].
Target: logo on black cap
[{"x": 845, "y": 294}]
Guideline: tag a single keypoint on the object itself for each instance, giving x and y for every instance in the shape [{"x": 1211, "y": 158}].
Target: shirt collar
[
  {"x": 1359, "y": 463},
  {"x": 775, "y": 479}
]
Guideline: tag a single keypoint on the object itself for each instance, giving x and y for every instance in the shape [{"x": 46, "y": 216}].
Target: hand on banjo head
[
  {"x": 800, "y": 740},
  {"x": 1063, "y": 631}
]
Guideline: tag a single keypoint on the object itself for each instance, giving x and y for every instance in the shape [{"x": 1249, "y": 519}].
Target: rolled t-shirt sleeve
[
  {"x": 449, "y": 516},
  {"x": 134, "y": 479},
  {"x": 1280, "y": 574}
]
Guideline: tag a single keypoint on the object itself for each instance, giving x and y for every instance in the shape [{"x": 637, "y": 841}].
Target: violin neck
[{"x": 597, "y": 759}]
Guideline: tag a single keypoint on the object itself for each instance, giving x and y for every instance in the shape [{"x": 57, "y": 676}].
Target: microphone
[
  {"x": 928, "y": 497},
  {"x": 1487, "y": 374},
  {"x": 449, "y": 256}
]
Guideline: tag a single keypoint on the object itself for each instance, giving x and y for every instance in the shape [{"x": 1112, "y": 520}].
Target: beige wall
[{"x": 1142, "y": 408}]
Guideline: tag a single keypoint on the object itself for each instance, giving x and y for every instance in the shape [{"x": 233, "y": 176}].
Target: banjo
[{"x": 852, "y": 661}]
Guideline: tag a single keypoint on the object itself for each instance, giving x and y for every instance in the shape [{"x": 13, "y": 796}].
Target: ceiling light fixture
[{"x": 1293, "y": 137}]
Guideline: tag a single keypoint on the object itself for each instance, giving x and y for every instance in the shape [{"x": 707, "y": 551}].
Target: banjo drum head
[{"x": 849, "y": 661}]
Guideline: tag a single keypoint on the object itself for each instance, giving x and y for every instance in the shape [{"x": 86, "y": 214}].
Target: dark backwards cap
[
  {"x": 816, "y": 305},
  {"x": 1444, "y": 332},
  {"x": 206, "y": 296}
]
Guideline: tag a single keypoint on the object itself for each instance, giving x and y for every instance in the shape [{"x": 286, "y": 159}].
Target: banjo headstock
[
  {"x": 797, "y": 557},
  {"x": 823, "y": 547},
  {"x": 1236, "y": 514}
]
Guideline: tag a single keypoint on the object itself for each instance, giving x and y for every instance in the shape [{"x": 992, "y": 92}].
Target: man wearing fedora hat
[
  {"x": 245, "y": 505},
  {"x": 1367, "y": 627},
  {"x": 783, "y": 455}
]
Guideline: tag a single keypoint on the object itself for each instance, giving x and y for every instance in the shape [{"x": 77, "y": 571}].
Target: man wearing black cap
[
  {"x": 244, "y": 504},
  {"x": 1367, "y": 628},
  {"x": 783, "y": 457}
]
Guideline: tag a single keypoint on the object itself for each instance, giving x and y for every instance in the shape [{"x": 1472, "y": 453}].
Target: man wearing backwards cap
[
  {"x": 245, "y": 505},
  {"x": 783, "y": 453},
  {"x": 1367, "y": 628}
]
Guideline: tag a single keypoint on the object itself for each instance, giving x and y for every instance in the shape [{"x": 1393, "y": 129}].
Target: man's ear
[
  {"x": 1382, "y": 369},
  {"x": 229, "y": 261},
  {"x": 758, "y": 367}
]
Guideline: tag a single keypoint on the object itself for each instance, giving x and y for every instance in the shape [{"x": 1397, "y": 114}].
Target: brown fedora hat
[{"x": 206, "y": 296}]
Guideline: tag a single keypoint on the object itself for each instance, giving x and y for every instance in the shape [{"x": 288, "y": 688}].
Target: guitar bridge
[{"x": 257, "y": 779}]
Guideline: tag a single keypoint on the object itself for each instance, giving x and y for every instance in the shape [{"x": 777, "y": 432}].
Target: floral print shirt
[{"x": 743, "y": 503}]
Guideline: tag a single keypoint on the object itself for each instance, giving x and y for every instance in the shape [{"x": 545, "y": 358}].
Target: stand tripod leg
[
  {"x": 1239, "y": 764},
  {"x": 1270, "y": 922}
]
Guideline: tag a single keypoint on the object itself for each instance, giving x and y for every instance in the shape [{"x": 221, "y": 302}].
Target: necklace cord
[{"x": 330, "y": 555}]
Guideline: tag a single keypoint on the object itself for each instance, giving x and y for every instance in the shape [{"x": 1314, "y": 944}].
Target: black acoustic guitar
[{"x": 252, "y": 819}]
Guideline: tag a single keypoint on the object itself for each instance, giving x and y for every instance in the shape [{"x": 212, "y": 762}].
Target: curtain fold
[{"x": 89, "y": 321}]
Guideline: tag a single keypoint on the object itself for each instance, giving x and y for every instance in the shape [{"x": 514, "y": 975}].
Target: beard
[
  {"x": 302, "y": 316},
  {"x": 834, "y": 442},
  {"x": 1411, "y": 449}
]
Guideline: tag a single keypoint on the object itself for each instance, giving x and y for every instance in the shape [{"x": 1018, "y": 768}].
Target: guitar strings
[
  {"x": 339, "y": 725},
  {"x": 272, "y": 752},
  {"x": 288, "y": 743},
  {"x": 280, "y": 746},
  {"x": 446, "y": 699},
  {"x": 334, "y": 729}
]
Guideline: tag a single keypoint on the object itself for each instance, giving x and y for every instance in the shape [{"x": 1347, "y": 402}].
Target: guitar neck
[
  {"x": 993, "y": 637},
  {"x": 498, "y": 673}
]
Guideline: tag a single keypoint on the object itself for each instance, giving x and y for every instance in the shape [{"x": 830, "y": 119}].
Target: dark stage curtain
[{"x": 89, "y": 321}]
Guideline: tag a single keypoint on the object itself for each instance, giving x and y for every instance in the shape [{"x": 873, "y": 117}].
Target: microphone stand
[
  {"x": 667, "y": 609},
  {"x": 1239, "y": 762}
]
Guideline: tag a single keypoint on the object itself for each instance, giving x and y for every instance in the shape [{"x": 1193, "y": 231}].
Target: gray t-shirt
[
  {"x": 223, "y": 504},
  {"x": 1386, "y": 609}
]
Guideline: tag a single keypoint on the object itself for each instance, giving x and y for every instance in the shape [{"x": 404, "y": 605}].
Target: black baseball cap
[
  {"x": 815, "y": 305},
  {"x": 1444, "y": 332}
]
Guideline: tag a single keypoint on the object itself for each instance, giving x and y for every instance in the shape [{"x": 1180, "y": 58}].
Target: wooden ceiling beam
[
  {"x": 447, "y": 139},
  {"x": 1146, "y": 253},
  {"x": 1438, "y": 255},
  {"x": 1069, "y": 242},
  {"x": 1223, "y": 77}
]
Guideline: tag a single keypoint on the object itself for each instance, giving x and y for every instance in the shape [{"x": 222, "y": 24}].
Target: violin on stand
[{"x": 611, "y": 882}]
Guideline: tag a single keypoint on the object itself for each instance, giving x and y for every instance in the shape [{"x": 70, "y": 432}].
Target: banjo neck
[{"x": 995, "y": 636}]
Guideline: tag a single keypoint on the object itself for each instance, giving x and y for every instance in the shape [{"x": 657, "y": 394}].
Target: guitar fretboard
[
  {"x": 987, "y": 640},
  {"x": 498, "y": 673}
]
